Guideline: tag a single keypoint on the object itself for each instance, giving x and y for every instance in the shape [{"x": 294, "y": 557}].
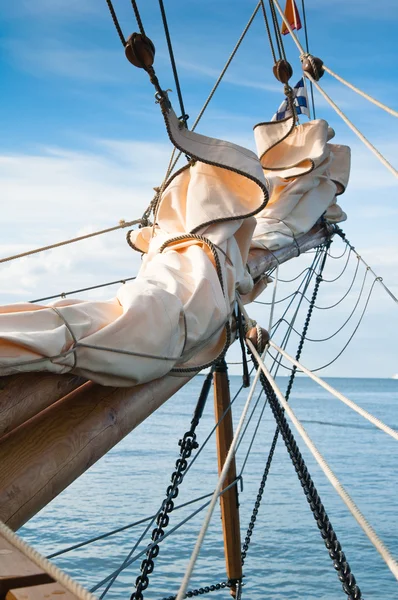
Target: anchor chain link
[{"x": 187, "y": 445}]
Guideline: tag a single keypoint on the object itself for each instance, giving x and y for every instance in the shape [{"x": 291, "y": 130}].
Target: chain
[
  {"x": 328, "y": 534},
  {"x": 202, "y": 590},
  {"x": 264, "y": 478},
  {"x": 187, "y": 445}
]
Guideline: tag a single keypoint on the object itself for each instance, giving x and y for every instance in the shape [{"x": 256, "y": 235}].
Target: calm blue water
[{"x": 287, "y": 558}]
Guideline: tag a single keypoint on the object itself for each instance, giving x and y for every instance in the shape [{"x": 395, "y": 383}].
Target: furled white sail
[{"x": 178, "y": 310}]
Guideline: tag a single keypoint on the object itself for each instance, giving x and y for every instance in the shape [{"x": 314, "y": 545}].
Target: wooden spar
[
  {"x": 229, "y": 500},
  {"x": 42, "y": 457},
  {"x": 24, "y": 396},
  {"x": 261, "y": 261}
]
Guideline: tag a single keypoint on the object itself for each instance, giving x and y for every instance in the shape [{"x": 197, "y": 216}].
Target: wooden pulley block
[
  {"x": 258, "y": 341},
  {"x": 313, "y": 66},
  {"x": 140, "y": 51},
  {"x": 282, "y": 70}
]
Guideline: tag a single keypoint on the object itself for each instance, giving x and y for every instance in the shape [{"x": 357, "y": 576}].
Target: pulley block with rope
[
  {"x": 313, "y": 66},
  {"x": 140, "y": 51},
  {"x": 282, "y": 70}
]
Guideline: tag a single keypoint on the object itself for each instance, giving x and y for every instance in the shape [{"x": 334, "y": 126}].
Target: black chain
[
  {"x": 328, "y": 534},
  {"x": 187, "y": 444},
  {"x": 264, "y": 478},
  {"x": 202, "y": 590}
]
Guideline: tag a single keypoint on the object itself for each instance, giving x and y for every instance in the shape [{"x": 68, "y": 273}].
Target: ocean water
[{"x": 287, "y": 558}]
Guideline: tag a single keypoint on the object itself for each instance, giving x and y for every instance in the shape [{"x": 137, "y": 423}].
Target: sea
[{"x": 287, "y": 558}]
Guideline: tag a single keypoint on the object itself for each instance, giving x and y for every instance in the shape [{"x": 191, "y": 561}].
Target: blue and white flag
[{"x": 300, "y": 102}]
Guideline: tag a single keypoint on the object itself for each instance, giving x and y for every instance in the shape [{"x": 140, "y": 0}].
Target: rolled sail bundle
[
  {"x": 177, "y": 313},
  {"x": 305, "y": 174},
  {"x": 178, "y": 310}
]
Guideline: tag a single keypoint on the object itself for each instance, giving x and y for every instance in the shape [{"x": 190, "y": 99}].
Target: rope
[
  {"x": 377, "y": 422},
  {"x": 122, "y": 225},
  {"x": 75, "y": 588},
  {"x": 268, "y": 32},
  {"x": 352, "y": 507},
  {"x": 184, "y": 117},
  {"x": 138, "y": 17},
  {"x": 307, "y": 47},
  {"x": 290, "y": 30},
  {"x": 86, "y": 289},
  {"x": 116, "y": 22},
  {"x": 340, "y": 233},
  {"x": 360, "y": 135},
  {"x": 221, "y": 479},
  {"x": 392, "y": 112}
]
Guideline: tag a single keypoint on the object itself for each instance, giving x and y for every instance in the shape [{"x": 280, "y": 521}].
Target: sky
[{"x": 83, "y": 144}]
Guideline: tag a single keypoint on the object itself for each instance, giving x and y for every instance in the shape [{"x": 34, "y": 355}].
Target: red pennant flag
[{"x": 292, "y": 16}]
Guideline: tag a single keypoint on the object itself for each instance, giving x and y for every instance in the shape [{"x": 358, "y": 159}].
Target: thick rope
[
  {"x": 122, "y": 225},
  {"x": 72, "y": 586},
  {"x": 217, "y": 491},
  {"x": 352, "y": 507},
  {"x": 116, "y": 22},
  {"x": 364, "y": 413},
  {"x": 351, "y": 125},
  {"x": 392, "y": 112},
  {"x": 290, "y": 30}
]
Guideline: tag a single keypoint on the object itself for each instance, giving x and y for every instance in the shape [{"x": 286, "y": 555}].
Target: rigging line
[
  {"x": 86, "y": 289},
  {"x": 353, "y": 128},
  {"x": 273, "y": 301},
  {"x": 361, "y": 411},
  {"x": 295, "y": 278},
  {"x": 184, "y": 117},
  {"x": 268, "y": 32},
  {"x": 200, "y": 450},
  {"x": 248, "y": 422},
  {"x": 116, "y": 22},
  {"x": 122, "y": 225},
  {"x": 277, "y": 32},
  {"x": 340, "y": 255},
  {"x": 352, "y": 507},
  {"x": 220, "y": 77},
  {"x": 221, "y": 479},
  {"x": 307, "y": 47},
  {"x": 290, "y": 30},
  {"x": 345, "y": 295},
  {"x": 349, "y": 339},
  {"x": 392, "y": 112},
  {"x": 254, "y": 435},
  {"x": 347, "y": 320},
  {"x": 342, "y": 272},
  {"x": 340, "y": 233},
  {"x": 121, "y": 529},
  {"x": 138, "y": 17},
  {"x": 160, "y": 539}
]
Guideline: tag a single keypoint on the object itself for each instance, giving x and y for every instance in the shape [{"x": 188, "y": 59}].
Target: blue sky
[{"x": 83, "y": 143}]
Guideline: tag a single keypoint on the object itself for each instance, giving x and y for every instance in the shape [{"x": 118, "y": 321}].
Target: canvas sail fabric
[
  {"x": 305, "y": 173},
  {"x": 176, "y": 311}
]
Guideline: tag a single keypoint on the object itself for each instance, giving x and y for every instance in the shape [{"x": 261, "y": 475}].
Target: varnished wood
[
  {"x": 16, "y": 570},
  {"x": 42, "y": 457},
  {"x": 229, "y": 501},
  {"x": 24, "y": 396},
  {"x": 49, "y": 591}
]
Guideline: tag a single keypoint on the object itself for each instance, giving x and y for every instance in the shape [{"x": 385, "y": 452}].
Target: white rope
[
  {"x": 364, "y": 413},
  {"x": 72, "y": 586},
  {"x": 217, "y": 491},
  {"x": 392, "y": 112},
  {"x": 352, "y": 507},
  {"x": 351, "y": 125},
  {"x": 363, "y": 139},
  {"x": 122, "y": 225},
  {"x": 271, "y": 314}
]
